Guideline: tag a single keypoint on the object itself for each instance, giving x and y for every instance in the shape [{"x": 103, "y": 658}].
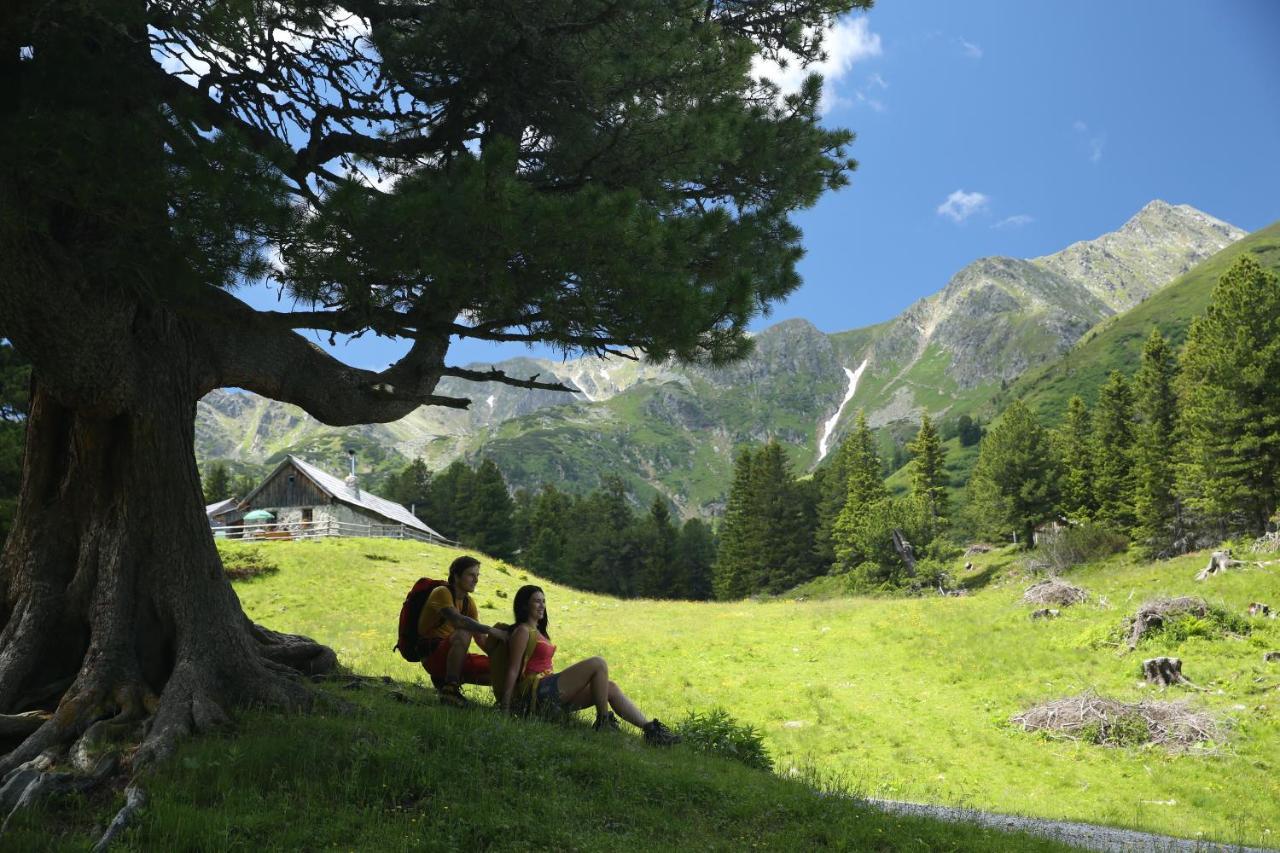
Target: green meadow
[{"x": 905, "y": 699}]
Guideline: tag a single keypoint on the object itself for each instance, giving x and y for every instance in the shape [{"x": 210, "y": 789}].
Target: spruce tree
[
  {"x": 1156, "y": 406},
  {"x": 449, "y": 496},
  {"x": 550, "y": 519},
  {"x": 785, "y": 558},
  {"x": 695, "y": 556},
  {"x": 1231, "y": 403},
  {"x": 411, "y": 487},
  {"x": 864, "y": 484},
  {"x": 659, "y": 573},
  {"x": 1014, "y": 485},
  {"x": 929, "y": 477},
  {"x": 1112, "y": 453},
  {"x": 831, "y": 484},
  {"x": 739, "y": 533},
  {"x": 1073, "y": 441},
  {"x": 486, "y": 524},
  {"x": 216, "y": 483}
]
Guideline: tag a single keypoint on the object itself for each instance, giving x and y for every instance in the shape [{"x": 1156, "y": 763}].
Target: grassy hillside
[
  {"x": 383, "y": 767},
  {"x": 904, "y": 699},
  {"x": 1117, "y": 342}
]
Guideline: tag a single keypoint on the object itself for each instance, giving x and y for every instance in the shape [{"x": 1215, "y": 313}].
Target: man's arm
[{"x": 466, "y": 623}]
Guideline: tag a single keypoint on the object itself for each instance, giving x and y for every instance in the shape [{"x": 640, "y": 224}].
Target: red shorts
[{"x": 475, "y": 668}]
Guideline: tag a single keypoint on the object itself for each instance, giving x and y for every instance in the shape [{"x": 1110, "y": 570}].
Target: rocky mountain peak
[{"x": 1156, "y": 245}]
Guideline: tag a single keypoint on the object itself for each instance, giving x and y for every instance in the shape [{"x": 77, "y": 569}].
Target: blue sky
[{"x": 1042, "y": 122}]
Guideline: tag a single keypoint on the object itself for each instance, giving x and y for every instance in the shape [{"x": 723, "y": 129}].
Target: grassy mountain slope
[
  {"x": 903, "y": 699},
  {"x": 1116, "y": 344}
]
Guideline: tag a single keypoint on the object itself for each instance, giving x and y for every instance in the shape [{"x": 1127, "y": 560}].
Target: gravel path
[{"x": 1084, "y": 835}]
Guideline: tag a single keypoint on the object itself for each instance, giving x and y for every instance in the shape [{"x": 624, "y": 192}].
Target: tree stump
[
  {"x": 1219, "y": 561},
  {"x": 905, "y": 551},
  {"x": 1163, "y": 671},
  {"x": 1046, "y": 613}
]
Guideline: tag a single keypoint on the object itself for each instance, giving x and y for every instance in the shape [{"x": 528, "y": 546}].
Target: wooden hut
[{"x": 308, "y": 501}]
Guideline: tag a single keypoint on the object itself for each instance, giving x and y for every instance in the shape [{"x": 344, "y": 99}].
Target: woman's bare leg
[
  {"x": 585, "y": 683},
  {"x": 626, "y": 709}
]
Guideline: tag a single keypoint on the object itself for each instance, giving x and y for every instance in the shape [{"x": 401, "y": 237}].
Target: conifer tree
[
  {"x": 486, "y": 521},
  {"x": 216, "y": 482},
  {"x": 929, "y": 477},
  {"x": 1156, "y": 407},
  {"x": 767, "y": 535},
  {"x": 550, "y": 518},
  {"x": 695, "y": 556},
  {"x": 411, "y": 487},
  {"x": 738, "y": 533},
  {"x": 1014, "y": 485},
  {"x": 1231, "y": 402},
  {"x": 864, "y": 489},
  {"x": 1073, "y": 441},
  {"x": 1112, "y": 440},
  {"x": 449, "y": 496},
  {"x": 659, "y": 574},
  {"x": 831, "y": 484}
]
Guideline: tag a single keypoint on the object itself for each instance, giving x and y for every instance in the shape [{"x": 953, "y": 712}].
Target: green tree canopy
[
  {"x": 1155, "y": 448},
  {"x": 1014, "y": 485},
  {"x": 1073, "y": 441},
  {"x": 929, "y": 475},
  {"x": 590, "y": 174},
  {"x": 1112, "y": 450},
  {"x": 1231, "y": 402}
]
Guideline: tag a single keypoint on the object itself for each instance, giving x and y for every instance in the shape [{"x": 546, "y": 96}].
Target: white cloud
[
  {"x": 960, "y": 205},
  {"x": 971, "y": 50},
  {"x": 1016, "y": 221},
  {"x": 1093, "y": 142},
  {"x": 849, "y": 41}
]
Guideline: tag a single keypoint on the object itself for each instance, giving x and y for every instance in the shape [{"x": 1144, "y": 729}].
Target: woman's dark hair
[
  {"x": 456, "y": 568},
  {"x": 520, "y": 606}
]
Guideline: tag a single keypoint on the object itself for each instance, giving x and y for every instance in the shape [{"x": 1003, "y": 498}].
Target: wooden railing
[{"x": 274, "y": 531}]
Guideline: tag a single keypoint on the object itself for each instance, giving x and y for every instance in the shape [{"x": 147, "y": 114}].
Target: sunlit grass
[{"x": 907, "y": 699}]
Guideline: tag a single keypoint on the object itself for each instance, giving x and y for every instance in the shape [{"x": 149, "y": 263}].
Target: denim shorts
[{"x": 549, "y": 704}]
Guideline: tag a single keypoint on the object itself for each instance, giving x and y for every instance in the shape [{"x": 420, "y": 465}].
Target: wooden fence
[{"x": 329, "y": 528}]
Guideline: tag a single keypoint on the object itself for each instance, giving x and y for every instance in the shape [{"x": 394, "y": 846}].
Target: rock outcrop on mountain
[{"x": 673, "y": 430}]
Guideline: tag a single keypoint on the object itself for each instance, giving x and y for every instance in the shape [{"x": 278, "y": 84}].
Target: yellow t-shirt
[{"x": 431, "y": 623}]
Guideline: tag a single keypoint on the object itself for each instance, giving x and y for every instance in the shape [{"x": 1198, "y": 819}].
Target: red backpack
[{"x": 410, "y": 644}]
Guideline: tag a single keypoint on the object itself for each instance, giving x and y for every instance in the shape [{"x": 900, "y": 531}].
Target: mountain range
[{"x": 673, "y": 430}]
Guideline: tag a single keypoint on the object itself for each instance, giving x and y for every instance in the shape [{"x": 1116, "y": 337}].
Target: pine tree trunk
[{"x": 114, "y": 605}]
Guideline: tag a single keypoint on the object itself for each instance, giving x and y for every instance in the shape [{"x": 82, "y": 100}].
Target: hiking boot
[
  {"x": 450, "y": 693},
  {"x": 606, "y": 722},
  {"x": 656, "y": 734}
]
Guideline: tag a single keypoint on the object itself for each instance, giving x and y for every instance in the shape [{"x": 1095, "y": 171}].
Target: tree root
[{"x": 135, "y": 799}]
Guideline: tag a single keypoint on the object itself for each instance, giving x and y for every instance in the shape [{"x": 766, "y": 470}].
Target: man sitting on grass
[{"x": 448, "y": 624}]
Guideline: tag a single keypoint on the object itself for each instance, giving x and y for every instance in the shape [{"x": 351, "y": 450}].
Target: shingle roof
[
  {"x": 220, "y": 507},
  {"x": 338, "y": 490}
]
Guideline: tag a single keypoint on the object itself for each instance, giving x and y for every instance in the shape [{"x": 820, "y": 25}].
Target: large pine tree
[
  {"x": 1073, "y": 441},
  {"x": 1014, "y": 485},
  {"x": 1112, "y": 453},
  {"x": 929, "y": 477},
  {"x": 594, "y": 175},
  {"x": 864, "y": 489},
  {"x": 766, "y": 541},
  {"x": 1156, "y": 406},
  {"x": 1231, "y": 403}
]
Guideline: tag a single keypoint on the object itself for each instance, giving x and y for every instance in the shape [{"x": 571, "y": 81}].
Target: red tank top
[{"x": 540, "y": 660}]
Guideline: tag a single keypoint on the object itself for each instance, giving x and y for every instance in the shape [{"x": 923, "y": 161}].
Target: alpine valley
[{"x": 1001, "y": 326}]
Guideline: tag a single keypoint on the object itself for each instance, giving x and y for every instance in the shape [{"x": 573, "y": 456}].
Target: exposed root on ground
[{"x": 106, "y": 728}]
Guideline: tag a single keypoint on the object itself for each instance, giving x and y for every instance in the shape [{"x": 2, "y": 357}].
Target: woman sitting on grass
[{"x": 530, "y": 686}]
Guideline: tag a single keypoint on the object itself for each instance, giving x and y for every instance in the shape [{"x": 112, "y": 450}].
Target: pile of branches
[
  {"x": 1110, "y": 722},
  {"x": 1054, "y": 591},
  {"x": 1156, "y": 612}
]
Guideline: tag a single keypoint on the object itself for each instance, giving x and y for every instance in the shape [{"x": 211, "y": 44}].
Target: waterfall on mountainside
[{"x": 830, "y": 426}]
